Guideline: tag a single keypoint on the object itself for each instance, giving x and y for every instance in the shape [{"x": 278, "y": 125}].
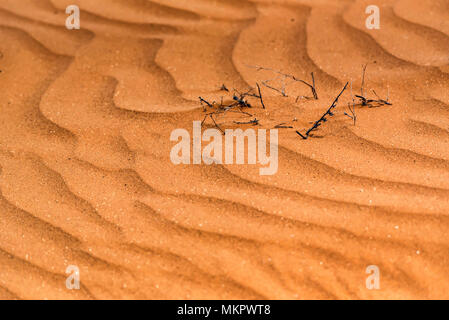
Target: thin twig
[
  {"x": 364, "y": 101},
  {"x": 260, "y": 96},
  {"x": 381, "y": 100},
  {"x": 315, "y": 95},
  {"x": 204, "y": 120},
  {"x": 282, "y": 126},
  {"x": 206, "y": 102},
  {"x": 323, "y": 117},
  {"x": 217, "y": 124},
  {"x": 352, "y": 110},
  {"x": 363, "y": 80},
  {"x": 242, "y": 102},
  {"x": 273, "y": 88},
  {"x": 254, "y": 122},
  {"x": 284, "y": 75}
]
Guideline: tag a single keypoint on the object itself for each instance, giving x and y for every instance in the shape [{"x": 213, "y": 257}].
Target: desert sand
[{"x": 86, "y": 178}]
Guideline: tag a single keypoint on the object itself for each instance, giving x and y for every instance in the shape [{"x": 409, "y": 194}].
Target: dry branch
[
  {"x": 287, "y": 76},
  {"x": 323, "y": 117}
]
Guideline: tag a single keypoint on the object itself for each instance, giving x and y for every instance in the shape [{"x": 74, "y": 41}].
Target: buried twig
[
  {"x": 236, "y": 106},
  {"x": 254, "y": 122},
  {"x": 303, "y": 97},
  {"x": 381, "y": 100},
  {"x": 369, "y": 102},
  {"x": 287, "y": 76},
  {"x": 352, "y": 110},
  {"x": 206, "y": 102},
  {"x": 244, "y": 112},
  {"x": 315, "y": 95},
  {"x": 241, "y": 102},
  {"x": 239, "y": 99},
  {"x": 323, "y": 117},
  {"x": 204, "y": 119},
  {"x": 282, "y": 126},
  {"x": 364, "y": 101},
  {"x": 216, "y": 124},
  {"x": 362, "y": 91},
  {"x": 281, "y": 91},
  {"x": 260, "y": 95}
]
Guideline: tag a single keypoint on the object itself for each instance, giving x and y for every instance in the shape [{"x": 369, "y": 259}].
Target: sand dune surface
[{"x": 86, "y": 177}]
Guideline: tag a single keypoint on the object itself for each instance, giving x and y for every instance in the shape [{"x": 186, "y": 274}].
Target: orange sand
[{"x": 86, "y": 179}]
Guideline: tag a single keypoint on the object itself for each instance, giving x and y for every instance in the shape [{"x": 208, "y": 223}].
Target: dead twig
[
  {"x": 241, "y": 102},
  {"x": 282, "y": 126},
  {"x": 352, "y": 109},
  {"x": 260, "y": 95},
  {"x": 323, "y": 117},
  {"x": 364, "y": 101},
  {"x": 362, "y": 91},
  {"x": 281, "y": 91},
  {"x": 315, "y": 95},
  {"x": 254, "y": 122},
  {"x": 381, "y": 100},
  {"x": 206, "y": 102},
  {"x": 287, "y": 76},
  {"x": 219, "y": 128}
]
